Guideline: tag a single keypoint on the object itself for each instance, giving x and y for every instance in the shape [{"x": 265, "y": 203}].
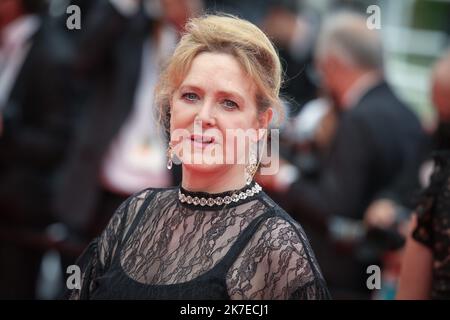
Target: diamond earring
[
  {"x": 252, "y": 166},
  {"x": 169, "y": 156}
]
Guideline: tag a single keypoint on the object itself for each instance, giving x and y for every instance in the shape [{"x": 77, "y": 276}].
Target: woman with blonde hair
[
  {"x": 217, "y": 235},
  {"x": 425, "y": 272}
]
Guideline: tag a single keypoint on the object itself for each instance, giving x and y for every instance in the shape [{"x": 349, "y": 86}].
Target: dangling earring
[
  {"x": 252, "y": 166},
  {"x": 169, "y": 156}
]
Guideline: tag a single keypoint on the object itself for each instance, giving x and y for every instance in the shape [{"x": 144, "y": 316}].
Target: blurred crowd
[{"x": 78, "y": 134}]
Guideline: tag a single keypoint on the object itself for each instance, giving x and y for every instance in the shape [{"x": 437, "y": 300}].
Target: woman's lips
[{"x": 201, "y": 141}]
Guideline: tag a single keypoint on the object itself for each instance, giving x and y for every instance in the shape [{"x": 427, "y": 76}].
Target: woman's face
[{"x": 210, "y": 111}]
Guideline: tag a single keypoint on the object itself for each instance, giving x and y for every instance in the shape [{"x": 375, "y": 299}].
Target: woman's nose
[{"x": 206, "y": 114}]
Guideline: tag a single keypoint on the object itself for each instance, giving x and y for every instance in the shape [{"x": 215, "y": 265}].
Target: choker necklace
[{"x": 196, "y": 198}]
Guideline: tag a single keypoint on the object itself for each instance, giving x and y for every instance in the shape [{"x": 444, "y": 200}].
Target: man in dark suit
[
  {"x": 35, "y": 131},
  {"x": 117, "y": 49},
  {"x": 375, "y": 152}
]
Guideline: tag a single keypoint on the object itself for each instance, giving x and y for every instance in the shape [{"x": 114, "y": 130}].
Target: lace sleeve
[
  {"x": 422, "y": 233},
  {"x": 277, "y": 263},
  {"x": 98, "y": 255},
  {"x": 88, "y": 263},
  {"x": 434, "y": 201}
]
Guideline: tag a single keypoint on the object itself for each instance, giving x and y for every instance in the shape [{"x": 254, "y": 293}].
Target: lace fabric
[
  {"x": 156, "y": 247},
  {"x": 433, "y": 227}
]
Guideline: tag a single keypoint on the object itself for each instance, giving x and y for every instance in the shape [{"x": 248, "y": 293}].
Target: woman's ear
[
  {"x": 264, "y": 120},
  {"x": 169, "y": 113}
]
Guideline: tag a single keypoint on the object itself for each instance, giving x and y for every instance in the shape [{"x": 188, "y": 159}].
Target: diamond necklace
[{"x": 211, "y": 201}]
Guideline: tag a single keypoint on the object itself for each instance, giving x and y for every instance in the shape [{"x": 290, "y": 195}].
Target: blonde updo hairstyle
[{"x": 223, "y": 34}]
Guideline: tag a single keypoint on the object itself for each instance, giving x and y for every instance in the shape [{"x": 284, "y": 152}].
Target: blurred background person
[
  {"x": 376, "y": 137},
  {"x": 292, "y": 26},
  {"x": 293, "y": 29},
  {"x": 252, "y": 10},
  {"x": 117, "y": 151},
  {"x": 426, "y": 263},
  {"x": 36, "y": 128},
  {"x": 178, "y": 12}
]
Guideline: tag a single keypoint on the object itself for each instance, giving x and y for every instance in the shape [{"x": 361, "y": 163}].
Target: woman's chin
[{"x": 203, "y": 167}]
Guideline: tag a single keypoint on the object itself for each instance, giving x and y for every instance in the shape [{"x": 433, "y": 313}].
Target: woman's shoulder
[
  {"x": 282, "y": 231},
  {"x": 132, "y": 205},
  {"x": 439, "y": 183},
  {"x": 277, "y": 213},
  {"x": 441, "y": 170},
  {"x": 129, "y": 209},
  {"x": 148, "y": 193},
  {"x": 278, "y": 225},
  {"x": 442, "y": 158},
  {"x": 281, "y": 239},
  {"x": 433, "y": 204}
]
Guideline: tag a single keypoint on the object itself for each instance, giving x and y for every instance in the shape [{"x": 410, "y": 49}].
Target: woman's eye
[
  {"x": 230, "y": 104},
  {"x": 190, "y": 96}
]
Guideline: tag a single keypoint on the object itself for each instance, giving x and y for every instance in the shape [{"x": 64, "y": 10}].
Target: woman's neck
[{"x": 217, "y": 181}]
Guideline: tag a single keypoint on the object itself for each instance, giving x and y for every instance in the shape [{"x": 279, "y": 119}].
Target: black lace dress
[
  {"x": 433, "y": 228},
  {"x": 158, "y": 247}
]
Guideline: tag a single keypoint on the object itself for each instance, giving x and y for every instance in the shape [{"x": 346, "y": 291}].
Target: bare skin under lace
[{"x": 170, "y": 243}]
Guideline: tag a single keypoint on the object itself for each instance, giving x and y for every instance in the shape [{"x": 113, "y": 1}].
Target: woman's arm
[
  {"x": 276, "y": 264},
  {"x": 89, "y": 266},
  {"x": 416, "y": 273},
  {"x": 98, "y": 255}
]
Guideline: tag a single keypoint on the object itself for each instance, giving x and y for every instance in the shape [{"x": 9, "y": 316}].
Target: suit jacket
[
  {"x": 375, "y": 153},
  {"x": 376, "y": 143}
]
